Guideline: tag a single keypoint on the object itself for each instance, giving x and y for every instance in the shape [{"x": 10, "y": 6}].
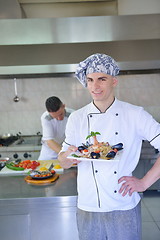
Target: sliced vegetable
[{"x": 12, "y": 167}]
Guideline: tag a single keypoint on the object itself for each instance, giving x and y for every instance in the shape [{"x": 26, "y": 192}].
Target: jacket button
[
  {"x": 115, "y": 191},
  {"x": 96, "y": 171},
  {"x": 115, "y": 172},
  {"x": 116, "y": 114},
  {"x": 90, "y": 115},
  {"x": 116, "y": 133}
]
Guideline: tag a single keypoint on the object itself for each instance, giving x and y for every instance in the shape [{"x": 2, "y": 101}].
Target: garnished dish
[
  {"x": 39, "y": 175},
  {"x": 97, "y": 150}
]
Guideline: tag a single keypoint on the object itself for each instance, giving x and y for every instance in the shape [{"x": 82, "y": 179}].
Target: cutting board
[
  {"x": 30, "y": 180},
  {"x": 7, "y": 171}
]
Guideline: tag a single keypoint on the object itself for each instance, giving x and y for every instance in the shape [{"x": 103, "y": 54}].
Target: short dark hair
[{"x": 53, "y": 104}]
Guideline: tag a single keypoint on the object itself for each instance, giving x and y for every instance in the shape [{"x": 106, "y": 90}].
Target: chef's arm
[
  {"x": 67, "y": 162},
  {"x": 152, "y": 175},
  {"x": 133, "y": 184},
  {"x": 54, "y": 145}
]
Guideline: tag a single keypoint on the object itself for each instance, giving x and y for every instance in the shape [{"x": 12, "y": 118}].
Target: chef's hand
[
  {"x": 68, "y": 162},
  {"x": 131, "y": 184}
]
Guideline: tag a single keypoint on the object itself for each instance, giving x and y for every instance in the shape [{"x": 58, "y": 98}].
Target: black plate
[{"x": 41, "y": 178}]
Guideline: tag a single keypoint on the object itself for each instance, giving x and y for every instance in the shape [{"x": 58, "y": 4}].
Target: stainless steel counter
[
  {"x": 15, "y": 187},
  {"x": 38, "y": 212}
]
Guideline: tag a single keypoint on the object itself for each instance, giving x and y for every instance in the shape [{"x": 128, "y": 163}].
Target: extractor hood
[{"x": 56, "y": 45}]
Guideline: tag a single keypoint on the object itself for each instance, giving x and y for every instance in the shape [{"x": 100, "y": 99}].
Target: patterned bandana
[{"x": 96, "y": 63}]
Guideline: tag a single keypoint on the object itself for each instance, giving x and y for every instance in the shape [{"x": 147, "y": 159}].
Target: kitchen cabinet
[{"x": 29, "y": 212}]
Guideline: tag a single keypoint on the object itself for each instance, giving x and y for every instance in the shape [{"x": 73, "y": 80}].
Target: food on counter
[
  {"x": 43, "y": 169},
  {"x": 12, "y": 166},
  {"x": 28, "y": 164},
  {"x": 102, "y": 150},
  {"x": 47, "y": 164},
  {"x": 22, "y": 165},
  {"x": 57, "y": 166},
  {"x": 36, "y": 174}
]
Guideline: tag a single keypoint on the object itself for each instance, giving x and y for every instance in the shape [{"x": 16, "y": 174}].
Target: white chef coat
[
  {"x": 98, "y": 181},
  {"x": 52, "y": 129}
]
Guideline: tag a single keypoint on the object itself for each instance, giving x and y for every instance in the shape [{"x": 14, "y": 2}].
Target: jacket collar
[{"x": 112, "y": 108}]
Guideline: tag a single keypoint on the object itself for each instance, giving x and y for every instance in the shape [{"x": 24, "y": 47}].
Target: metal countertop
[{"x": 15, "y": 187}]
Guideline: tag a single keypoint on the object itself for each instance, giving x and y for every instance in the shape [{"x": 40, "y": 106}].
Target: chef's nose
[{"x": 95, "y": 84}]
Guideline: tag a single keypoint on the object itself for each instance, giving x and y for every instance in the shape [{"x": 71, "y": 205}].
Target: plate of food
[{"x": 98, "y": 151}]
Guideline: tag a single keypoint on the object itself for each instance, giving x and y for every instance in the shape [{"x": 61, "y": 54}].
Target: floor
[{"x": 151, "y": 215}]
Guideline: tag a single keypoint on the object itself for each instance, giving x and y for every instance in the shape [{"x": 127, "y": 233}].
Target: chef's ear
[
  {"x": 64, "y": 105},
  {"x": 115, "y": 81}
]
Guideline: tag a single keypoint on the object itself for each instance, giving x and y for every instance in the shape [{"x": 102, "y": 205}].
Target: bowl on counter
[{"x": 3, "y": 162}]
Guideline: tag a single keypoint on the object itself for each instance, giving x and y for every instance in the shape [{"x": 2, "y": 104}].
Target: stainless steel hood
[{"x": 56, "y": 45}]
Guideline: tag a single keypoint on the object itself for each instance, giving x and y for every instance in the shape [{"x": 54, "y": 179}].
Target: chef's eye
[
  {"x": 89, "y": 80},
  {"x": 103, "y": 79}
]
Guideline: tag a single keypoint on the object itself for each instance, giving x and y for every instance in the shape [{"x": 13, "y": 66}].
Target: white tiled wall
[{"x": 24, "y": 116}]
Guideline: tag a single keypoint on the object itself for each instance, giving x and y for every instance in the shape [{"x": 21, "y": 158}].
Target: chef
[
  {"x": 53, "y": 123},
  {"x": 108, "y": 200}
]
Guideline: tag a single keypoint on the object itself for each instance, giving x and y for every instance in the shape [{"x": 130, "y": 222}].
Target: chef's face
[
  {"x": 101, "y": 86},
  {"x": 59, "y": 115}
]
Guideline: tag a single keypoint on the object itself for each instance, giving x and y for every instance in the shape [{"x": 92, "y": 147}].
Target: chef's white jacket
[
  {"x": 52, "y": 129},
  {"x": 98, "y": 181}
]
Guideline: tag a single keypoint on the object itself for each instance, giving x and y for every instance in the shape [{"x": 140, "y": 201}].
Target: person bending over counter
[
  {"x": 53, "y": 123},
  {"x": 108, "y": 200}
]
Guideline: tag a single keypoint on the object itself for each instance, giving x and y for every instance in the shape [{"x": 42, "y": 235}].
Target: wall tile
[{"x": 24, "y": 116}]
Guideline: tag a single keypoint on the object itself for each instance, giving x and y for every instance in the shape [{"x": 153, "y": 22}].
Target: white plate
[{"x": 115, "y": 159}]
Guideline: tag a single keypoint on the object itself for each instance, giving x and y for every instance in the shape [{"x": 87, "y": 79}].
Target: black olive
[{"x": 95, "y": 155}]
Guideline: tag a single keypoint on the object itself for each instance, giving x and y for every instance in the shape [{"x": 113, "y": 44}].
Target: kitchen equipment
[
  {"x": 7, "y": 139},
  {"x": 16, "y": 98},
  {"x": 6, "y": 135},
  {"x": 25, "y": 147}
]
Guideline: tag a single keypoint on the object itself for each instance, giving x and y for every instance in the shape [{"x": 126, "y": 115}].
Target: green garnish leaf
[
  {"x": 93, "y": 134},
  {"x": 74, "y": 155}
]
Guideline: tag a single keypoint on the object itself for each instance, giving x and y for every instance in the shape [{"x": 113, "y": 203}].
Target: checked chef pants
[{"x": 115, "y": 225}]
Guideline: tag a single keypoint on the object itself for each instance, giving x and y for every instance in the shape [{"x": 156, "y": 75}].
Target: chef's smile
[{"x": 97, "y": 93}]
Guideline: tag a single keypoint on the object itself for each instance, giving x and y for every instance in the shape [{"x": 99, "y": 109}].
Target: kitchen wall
[{"x": 24, "y": 116}]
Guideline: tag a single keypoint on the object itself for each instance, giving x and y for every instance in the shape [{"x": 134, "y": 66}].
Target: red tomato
[
  {"x": 33, "y": 167},
  {"x": 52, "y": 171},
  {"x": 29, "y": 165},
  {"x": 34, "y": 162},
  {"x": 27, "y": 161},
  {"x": 24, "y": 165}
]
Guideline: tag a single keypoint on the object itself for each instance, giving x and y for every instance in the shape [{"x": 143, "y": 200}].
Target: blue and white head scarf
[{"x": 96, "y": 63}]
